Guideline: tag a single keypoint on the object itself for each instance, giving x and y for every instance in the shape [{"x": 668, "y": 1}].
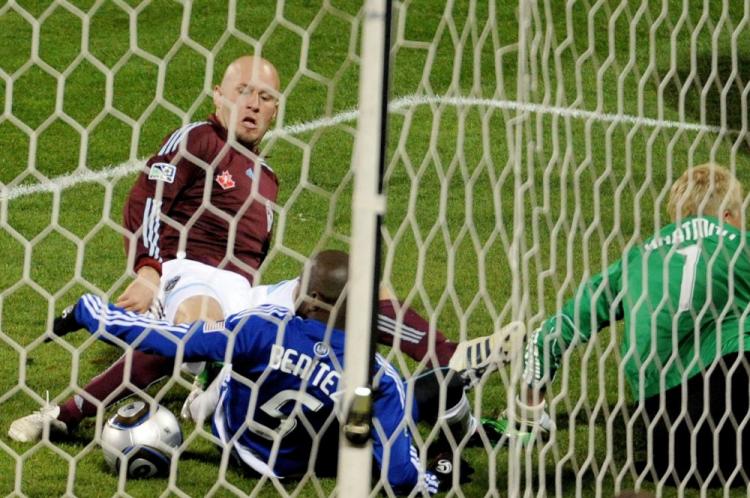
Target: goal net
[{"x": 529, "y": 143}]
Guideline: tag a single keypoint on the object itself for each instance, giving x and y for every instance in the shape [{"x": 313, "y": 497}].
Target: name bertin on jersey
[
  {"x": 697, "y": 228},
  {"x": 300, "y": 365}
]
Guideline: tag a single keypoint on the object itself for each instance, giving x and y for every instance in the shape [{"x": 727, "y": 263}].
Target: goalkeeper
[
  {"x": 684, "y": 297},
  {"x": 281, "y": 379}
]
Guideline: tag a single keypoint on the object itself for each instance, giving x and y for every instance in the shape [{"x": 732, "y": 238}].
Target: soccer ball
[{"x": 141, "y": 439}]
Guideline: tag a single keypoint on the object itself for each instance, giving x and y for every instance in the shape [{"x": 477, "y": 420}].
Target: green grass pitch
[{"x": 463, "y": 184}]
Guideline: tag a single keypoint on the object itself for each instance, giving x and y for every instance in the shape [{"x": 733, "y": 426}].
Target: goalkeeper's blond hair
[{"x": 708, "y": 189}]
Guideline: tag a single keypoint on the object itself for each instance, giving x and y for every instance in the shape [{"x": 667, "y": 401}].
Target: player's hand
[
  {"x": 141, "y": 292},
  {"x": 65, "y": 323},
  {"x": 439, "y": 475}
]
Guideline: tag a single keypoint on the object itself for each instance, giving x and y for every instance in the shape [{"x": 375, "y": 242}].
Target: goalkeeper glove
[
  {"x": 439, "y": 474},
  {"x": 525, "y": 424}
]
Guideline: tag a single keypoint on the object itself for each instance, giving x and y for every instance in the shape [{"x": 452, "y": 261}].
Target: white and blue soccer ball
[{"x": 142, "y": 439}]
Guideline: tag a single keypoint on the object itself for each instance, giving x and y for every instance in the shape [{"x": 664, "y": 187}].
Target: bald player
[
  {"x": 201, "y": 218},
  {"x": 242, "y": 188}
]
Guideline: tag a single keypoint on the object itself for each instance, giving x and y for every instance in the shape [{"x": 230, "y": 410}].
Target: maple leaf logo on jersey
[{"x": 225, "y": 180}]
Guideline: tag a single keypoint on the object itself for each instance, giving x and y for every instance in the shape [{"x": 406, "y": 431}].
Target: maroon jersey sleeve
[{"x": 179, "y": 164}]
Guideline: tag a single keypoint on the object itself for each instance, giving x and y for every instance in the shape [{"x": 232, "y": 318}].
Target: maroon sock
[
  {"x": 412, "y": 333},
  {"x": 109, "y": 388}
]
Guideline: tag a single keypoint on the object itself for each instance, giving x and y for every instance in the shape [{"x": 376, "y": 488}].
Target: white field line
[
  {"x": 130, "y": 167},
  {"x": 72, "y": 179}
]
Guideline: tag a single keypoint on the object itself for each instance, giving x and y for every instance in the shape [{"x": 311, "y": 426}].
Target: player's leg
[
  {"x": 399, "y": 325},
  {"x": 672, "y": 419},
  {"x": 103, "y": 390},
  {"x": 729, "y": 402},
  {"x": 198, "y": 308},
  {"x": 190, "y": 309},
  {"x": 196, "y": 291},
  {"x": 231, "y": 293},
  {"x": 112, "y": 385},
  {"x": 440, "y": 399},
  {"x": 525, "y": 420},
  {"x": 204, "y": 397},
  {"x": 684, "y": 438},
  {"x": 402, "y": 326},
  {"x": 659, "y": 414},
  {"x": 452, "y": 409}
]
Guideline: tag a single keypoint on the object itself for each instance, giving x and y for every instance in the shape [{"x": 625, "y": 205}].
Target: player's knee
[{"x": 198, "y": 308}]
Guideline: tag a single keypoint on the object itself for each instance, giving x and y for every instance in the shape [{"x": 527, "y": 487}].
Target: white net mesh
[{"x": 530, "y": 143}]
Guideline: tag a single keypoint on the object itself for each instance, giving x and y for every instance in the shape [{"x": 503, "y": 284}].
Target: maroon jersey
[{"x": 205, "y": 197}]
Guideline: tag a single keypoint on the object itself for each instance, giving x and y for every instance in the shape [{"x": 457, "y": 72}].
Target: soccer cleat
[
  {"x": 185, "y": 412},
  {"x": 29, "y": 429},
  {"x": 478, "y": 354},
  {"x": 204, "y": 393}
]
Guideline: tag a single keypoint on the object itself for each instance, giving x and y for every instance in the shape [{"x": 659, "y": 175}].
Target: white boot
[
  {"x": 29, "y": 429},
  {"x": 500, "y": 347},
  {"x": 200, "y": 404}
]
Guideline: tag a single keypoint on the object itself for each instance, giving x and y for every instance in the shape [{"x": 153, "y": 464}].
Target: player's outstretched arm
[
  {"x": 194, "y": 341},
  {"x": 594, "y": 305}
]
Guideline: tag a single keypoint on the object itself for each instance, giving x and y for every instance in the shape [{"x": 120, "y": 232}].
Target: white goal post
[{"x": 367, "y": 208}]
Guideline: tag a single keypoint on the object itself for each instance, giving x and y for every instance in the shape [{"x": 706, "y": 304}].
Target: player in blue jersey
[{"x": 278, "y": 393}]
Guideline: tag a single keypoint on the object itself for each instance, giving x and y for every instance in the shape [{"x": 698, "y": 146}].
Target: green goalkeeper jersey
[{"x": 683, "y": 295}]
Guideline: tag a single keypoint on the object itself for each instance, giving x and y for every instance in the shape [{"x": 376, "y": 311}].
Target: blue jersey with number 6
[{"x": 277, "y": 406}]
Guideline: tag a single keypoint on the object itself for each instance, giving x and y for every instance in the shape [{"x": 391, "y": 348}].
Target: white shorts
[
  {"x": 280, "y": 294},
  {"x": 184, "y": 278}
]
